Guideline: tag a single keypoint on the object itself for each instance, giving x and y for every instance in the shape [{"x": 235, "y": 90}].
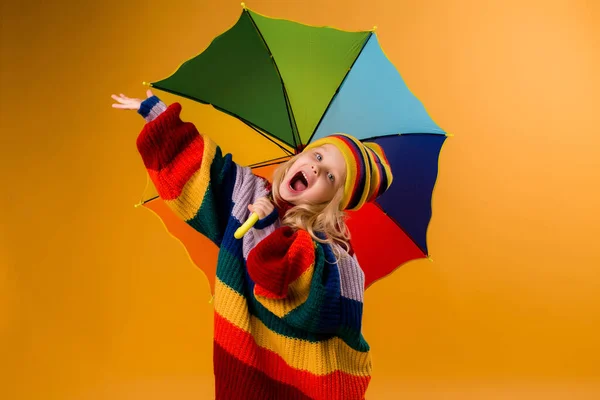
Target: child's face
[{"x": 315, "y": 176}]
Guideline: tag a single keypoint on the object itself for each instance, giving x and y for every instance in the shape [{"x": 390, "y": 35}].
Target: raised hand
[{"x": 127, "y": 103}]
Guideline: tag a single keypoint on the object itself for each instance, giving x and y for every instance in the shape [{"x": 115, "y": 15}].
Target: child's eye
[
  {"x": 331, "y": 177},
  {"x": 319, "y": 157}
]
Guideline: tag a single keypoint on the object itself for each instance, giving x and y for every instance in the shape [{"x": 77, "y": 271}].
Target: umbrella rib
[
  {"x": 403, "y": 134},
  {"x": 263, "y": 132},
  {"x": 288, "y": 106},
  {"x": 273, "y": 160},
  {"x": 400, "y": 227},
  {"x": 266, "y": 137},
  {"x": 257, "y": 129},
  {"x": 338, "y": 88},
  {"x": 290, "y": 114},
  {"x": 267, "y": 165},
  {"x": 149, "y": 200}
]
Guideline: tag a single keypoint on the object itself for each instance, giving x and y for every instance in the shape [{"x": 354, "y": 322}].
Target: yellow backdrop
[{"x": 99, "y": 302}]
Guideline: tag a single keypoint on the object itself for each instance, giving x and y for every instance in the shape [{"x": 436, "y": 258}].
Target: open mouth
[{"x": 298, "y": 183}]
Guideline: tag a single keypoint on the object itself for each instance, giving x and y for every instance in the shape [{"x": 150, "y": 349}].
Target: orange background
[{"x": 99, "y": 302}]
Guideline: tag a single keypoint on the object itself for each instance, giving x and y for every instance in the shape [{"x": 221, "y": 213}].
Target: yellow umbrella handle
[{"x": 241, "y": 231}]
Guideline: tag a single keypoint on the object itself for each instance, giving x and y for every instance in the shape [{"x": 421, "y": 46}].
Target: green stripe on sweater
[{"x": 231, "y": 271}]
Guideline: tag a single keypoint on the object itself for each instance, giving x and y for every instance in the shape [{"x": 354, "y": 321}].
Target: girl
[{"x": 288, "y": 295}]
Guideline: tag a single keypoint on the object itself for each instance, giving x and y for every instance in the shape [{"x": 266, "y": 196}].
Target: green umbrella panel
[{"x": 277, "y": 76}]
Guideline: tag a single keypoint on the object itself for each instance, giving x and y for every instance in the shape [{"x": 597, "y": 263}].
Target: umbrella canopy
[{"x": 293, "y": 83}]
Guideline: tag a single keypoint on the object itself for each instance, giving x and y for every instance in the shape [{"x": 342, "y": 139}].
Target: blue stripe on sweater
[
  {"x": 339, "y": 316},
  {"x": 328, "y": 318},
  {"x": 351, "y": 314},
  {"x": 232, "y": 272},
  {"x": 147, "y": 105}
]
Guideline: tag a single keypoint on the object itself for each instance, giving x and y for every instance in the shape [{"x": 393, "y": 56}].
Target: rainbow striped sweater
[{"x": 287, "y": 321}]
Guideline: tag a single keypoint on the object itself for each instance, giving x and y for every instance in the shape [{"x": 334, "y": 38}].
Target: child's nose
[{"x": 315, "y": 169}]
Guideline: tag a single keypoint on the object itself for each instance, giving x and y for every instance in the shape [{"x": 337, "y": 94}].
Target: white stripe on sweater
[
  {"x": 352, "y": 277},
  {"x": 247, "y": 189}
]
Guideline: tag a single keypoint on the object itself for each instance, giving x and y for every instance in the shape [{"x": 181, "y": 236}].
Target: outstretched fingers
[{"x": 124, "y": 102}]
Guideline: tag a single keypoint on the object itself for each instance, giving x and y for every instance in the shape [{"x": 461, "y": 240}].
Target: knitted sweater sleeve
[
  {"x": 294, "y": 282},
  {"x": 187, "y": 168}
]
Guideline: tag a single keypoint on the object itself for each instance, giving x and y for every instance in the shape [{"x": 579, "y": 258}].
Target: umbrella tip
[
  {"x": 374, "y": 28},
  {"x": 429, "y": 258},
  {"x": 244, "y": 6}
]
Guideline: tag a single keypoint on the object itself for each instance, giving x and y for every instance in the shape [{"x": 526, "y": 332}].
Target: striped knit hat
[{"x": 368, "y": 173}]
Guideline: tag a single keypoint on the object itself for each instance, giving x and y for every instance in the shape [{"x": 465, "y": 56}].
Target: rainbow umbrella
[{"x": 291, "y": 84}]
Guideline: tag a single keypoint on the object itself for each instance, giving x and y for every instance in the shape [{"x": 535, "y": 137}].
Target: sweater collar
[{"x": 284, "y": 207}]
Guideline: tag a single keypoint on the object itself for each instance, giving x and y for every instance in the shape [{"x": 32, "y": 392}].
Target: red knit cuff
[
  {"x": 280, "y": 259},
  {"x": 164, "y": 137}
]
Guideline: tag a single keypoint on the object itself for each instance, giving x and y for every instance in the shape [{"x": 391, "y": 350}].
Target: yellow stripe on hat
[
  {"x": 367, "y": 157},
  {"x": 383, "y": 161},
  {"x": 358, "y": 192},
  {"x": 351, "y": 168},
  {"x": 375, "y": 175}
]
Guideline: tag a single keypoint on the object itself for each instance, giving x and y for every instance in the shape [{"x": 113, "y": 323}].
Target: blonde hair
[{"x": 326, "y": 218}]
